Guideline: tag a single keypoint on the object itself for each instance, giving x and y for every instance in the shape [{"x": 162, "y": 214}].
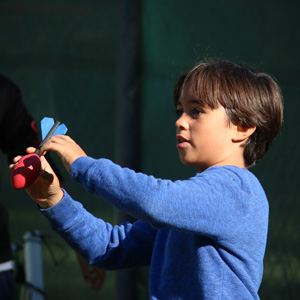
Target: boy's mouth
[{"x": 181, "y": 141}]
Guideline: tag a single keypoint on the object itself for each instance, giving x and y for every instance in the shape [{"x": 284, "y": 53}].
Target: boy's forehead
[
  {"x": 195, "y": 90},
  {"x": 190, "y": 96},
  {"x": 186, "y": 101}
]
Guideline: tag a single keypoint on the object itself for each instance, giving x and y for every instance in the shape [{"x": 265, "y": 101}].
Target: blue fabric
[
  {"x": 204, "y": 237},
  {"x": 7, "y": 285}
]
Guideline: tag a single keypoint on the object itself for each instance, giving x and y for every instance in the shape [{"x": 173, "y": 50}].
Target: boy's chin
[
  {"x": 200, "y": 168},
  {"x": 187, "y": 162},
  {"x": 183, "y": 160}
]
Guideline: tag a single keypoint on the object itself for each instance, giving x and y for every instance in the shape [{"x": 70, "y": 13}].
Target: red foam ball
[{"x": 26, "y": 171}]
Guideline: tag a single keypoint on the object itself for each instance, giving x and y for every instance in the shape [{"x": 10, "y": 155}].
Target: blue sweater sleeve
[
  {"x": 100, "y": 243},
  {"x": 211, "y": 227},
  {"x": 213, "y": 203}
]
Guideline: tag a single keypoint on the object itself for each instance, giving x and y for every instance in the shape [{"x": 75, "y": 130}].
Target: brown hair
[{"x": 250, "y": 99}]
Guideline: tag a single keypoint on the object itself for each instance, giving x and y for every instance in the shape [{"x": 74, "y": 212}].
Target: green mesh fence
[{"x": 64, "y": 57}]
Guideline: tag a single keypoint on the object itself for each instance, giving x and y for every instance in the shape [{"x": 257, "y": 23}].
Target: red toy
[{"x": 27, "y": 169}]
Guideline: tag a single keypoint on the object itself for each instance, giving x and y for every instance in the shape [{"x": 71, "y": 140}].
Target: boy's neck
[{"x": 240, "y": 163}]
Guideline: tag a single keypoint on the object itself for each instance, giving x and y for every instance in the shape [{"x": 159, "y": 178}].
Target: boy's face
[{"x": 204, "y": 136}]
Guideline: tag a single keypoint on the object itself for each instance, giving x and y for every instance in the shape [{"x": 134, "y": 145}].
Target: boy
[{"x": 204, "y": 237}]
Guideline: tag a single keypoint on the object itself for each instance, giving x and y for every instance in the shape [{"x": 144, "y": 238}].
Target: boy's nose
[{"x": 181, "y": 122}]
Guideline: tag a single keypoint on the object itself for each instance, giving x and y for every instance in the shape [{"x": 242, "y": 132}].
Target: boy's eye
[
  {"x": 179, "y": 112},
  {"x": 197, "y": 111}
]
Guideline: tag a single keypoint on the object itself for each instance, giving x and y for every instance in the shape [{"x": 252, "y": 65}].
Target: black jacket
[{"x": 18, "y": 132}]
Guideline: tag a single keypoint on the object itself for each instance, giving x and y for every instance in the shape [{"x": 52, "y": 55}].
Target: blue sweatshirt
[{"x": 204, "y": 237}]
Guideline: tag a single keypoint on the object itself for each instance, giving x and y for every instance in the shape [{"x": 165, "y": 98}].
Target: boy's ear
[{"x": 241, "y": 133}]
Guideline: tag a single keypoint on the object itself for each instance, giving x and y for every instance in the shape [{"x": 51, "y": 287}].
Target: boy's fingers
[
  {"x": 40, "y": 153},
  {"x": 30, "y": 150},
  {"x": 16, "y": 159},
  {"x": 52, "y": 145},
  {"x": 47, "y": 177},
  {"x": 45, "y": 165}
]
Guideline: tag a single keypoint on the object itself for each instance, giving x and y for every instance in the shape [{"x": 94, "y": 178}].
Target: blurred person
[{"x": 18, "y": 131}]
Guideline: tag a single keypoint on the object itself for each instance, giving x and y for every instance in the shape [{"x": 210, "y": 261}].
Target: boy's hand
[
  {"x": 46, "y": 189},
  {"x": 65, "y": 147},
  {"x": 91, "y": 274}
]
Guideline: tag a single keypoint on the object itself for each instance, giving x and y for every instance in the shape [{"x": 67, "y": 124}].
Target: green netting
[{"x": 64, "y": 57}]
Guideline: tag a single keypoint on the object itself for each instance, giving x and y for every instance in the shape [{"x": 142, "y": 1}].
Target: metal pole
[
  {"x": 34, "y": 264},
  {"x": 128, "y": 117}
]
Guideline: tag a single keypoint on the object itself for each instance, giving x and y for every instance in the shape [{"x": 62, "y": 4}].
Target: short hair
[{"x": 249, "y": 98}]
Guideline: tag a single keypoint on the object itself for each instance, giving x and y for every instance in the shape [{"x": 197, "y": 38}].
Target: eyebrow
[{"x": 191, "y": 101}]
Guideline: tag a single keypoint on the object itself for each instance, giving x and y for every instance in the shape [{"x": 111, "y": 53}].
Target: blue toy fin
[
  {"x": 47, "y": 124},
  {"x": 61, "y": 129}
]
